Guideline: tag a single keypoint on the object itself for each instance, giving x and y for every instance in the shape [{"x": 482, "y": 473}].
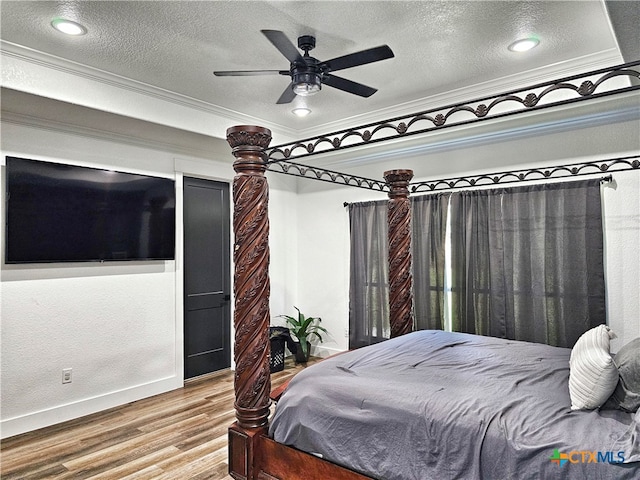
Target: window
[{"x": 524, "y": 263}]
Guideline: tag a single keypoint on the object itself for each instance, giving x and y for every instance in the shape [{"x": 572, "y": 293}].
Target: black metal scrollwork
[
  {"x": 580, "y": 87},
  {"x": 299, "y": 170},
  {"x": 515, "y": 176}
]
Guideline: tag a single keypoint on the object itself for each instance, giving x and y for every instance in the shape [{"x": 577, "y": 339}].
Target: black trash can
[{"x": 278, "y": 336}]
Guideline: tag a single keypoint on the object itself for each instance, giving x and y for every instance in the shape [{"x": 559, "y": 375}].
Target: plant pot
[{"x": 299, "y": 356}]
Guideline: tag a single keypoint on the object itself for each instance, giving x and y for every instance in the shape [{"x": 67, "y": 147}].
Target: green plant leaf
[
  {"x": 306, "y": 322},
  {"x": 317, "y": 336},
  {"x": 304, "y": 327}
]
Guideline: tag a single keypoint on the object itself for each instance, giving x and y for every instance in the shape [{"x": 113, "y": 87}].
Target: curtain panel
[
  {"x": 527, "y": 262},
  {"x": 471, "y": 262},
  {"x": 429, "y": 223},
  {"x": 369, "y": 273}
]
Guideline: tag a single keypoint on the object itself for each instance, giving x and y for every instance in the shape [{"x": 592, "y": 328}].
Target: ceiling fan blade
[
  {"x": 360, "y": 58},
  {"x": 348, "y": 86},
  {"x": 249, "y": 73},
  {"x": 287, "y": 96},
  {"x": 284, "y": 45}
]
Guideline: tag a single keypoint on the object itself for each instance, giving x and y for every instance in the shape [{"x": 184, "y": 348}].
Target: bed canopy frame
[{"x": 252, "y": 455}]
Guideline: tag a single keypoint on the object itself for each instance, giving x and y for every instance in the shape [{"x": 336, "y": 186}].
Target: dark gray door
[{"x": 207, "y": 315}]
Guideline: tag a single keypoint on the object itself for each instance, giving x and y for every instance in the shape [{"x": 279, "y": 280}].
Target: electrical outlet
[{"x": 66, "y": 375}]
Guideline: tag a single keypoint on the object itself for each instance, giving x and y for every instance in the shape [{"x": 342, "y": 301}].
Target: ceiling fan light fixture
[
  {"x": 524, "y": 44},
  {"x": 301, "y": 111},
  {"x": 306, "y": 89},
  {"x": 306, "y": 84},
  {"x": 68, "y": 27}
]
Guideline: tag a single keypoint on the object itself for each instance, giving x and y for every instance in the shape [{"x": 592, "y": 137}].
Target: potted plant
[{"x": 303, "y": 328}]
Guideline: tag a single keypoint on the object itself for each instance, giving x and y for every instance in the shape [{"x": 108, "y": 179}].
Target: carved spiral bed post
[
  {"x": 400, "y": 279},
  {"x": 251, "y": 289}
]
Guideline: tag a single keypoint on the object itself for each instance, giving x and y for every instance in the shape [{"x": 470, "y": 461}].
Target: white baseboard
[
  {"x": 62, "y": 413},
  {"x": 51, "y": 416},
  {"x": 324, "y": 352}
]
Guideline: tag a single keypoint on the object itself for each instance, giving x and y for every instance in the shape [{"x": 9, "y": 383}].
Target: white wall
[
  {"x": 621, "y": 200},
  {"x": 113, "y": 323},
  {"x": 323, "y": 258},
  {"x": 118, "y": 325},
  {"x": 323, "y": 221},
  {"x": 283, "y": 245}
]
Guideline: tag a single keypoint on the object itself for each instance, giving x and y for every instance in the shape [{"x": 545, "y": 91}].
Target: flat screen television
[{"x": 66, "y": 213}]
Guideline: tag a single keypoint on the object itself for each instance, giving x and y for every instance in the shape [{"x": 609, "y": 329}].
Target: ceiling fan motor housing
[
  {"x": 306, "y": 78},
  {"x": 306, "y": 43}
]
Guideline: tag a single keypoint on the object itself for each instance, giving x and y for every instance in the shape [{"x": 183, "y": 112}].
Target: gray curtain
[
  {"x": 429, "y": 222},
  {"x": 470, "y": 261},
  {"x": 369, "y": 274},
  {"x": 527, "y": 262}
]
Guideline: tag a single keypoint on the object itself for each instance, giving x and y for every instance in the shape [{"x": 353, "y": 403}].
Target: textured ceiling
[{"x": 442, "y": 48}]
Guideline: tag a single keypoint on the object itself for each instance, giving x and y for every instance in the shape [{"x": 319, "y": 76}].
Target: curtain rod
[{"x": 605, "y": 179}]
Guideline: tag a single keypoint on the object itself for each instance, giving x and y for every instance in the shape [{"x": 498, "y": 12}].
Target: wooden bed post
[
  {"x": 251, "y": 288},
  {"x": 400, "y": 279}
]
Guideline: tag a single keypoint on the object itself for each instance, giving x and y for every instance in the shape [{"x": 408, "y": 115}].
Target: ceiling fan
[{"x": 308, "y": 74}]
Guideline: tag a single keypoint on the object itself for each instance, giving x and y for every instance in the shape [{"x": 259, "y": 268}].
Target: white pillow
[{"x": 592, "y": 374}]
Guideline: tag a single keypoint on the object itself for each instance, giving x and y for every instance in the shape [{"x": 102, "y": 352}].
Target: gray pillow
[
  {"x": 626, "y": 396},
  {"x": 592, "y": 374}
]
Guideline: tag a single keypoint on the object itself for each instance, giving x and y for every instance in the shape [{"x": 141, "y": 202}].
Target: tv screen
[{"x": 65, "y": 213}]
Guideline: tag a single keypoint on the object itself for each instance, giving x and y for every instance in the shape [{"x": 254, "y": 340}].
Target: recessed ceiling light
[
  {"x": 68, "y": 27},
  {"x": 524, "y": 44},
  {"x": 301, "y": 111}
]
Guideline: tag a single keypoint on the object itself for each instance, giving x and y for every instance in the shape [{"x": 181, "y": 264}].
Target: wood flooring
[{"x": 178, "y": 435}]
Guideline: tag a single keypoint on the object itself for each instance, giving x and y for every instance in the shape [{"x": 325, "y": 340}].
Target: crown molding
[
  {"x": 58, "y": 126},
  {"x": 69, "y": 67},
  {"x": 362, "y": 158}
]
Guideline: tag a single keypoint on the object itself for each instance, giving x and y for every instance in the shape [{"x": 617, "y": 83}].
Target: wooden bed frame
[{"x": 252, "y": 454}]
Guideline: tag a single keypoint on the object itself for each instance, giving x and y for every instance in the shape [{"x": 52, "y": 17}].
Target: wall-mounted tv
[{"x": 66, "y": 213}]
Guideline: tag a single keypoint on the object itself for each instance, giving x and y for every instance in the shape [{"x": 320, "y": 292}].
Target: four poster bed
[{"x": 426, "y": 404}]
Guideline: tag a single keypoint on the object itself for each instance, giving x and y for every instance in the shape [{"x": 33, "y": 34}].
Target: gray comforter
[{"x": 439, "y": 405}]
